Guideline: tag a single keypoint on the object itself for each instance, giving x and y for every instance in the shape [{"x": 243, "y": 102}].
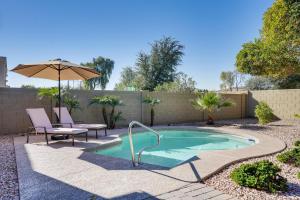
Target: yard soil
[{"x": 287, "y": 131}]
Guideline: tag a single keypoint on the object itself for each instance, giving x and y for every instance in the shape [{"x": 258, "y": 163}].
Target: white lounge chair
[
  {"x": 42, "y": 124},
  {"x": 67, "y": 121}
]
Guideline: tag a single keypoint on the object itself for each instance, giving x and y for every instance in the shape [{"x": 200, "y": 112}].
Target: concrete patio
[{"x": 60, "y": 171}]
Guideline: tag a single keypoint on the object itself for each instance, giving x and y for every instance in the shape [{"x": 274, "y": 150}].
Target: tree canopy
[
  {"x": 102, "y": 65},
  {"x": 182, "y": 83},
  {"x": 259, "y": 83},
  {"x": 227, "y": 78},
  {"x": 160, "y": 65},
  {"x": 154, "y": 68},
  {"x": 231, "y": 79},
  {"x": 277, "y": 52},
  {"x": 130, "y": 80}
]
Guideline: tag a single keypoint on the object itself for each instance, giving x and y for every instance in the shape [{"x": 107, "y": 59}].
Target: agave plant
[
  {"x": 211, "y": 102},
  {"x": 152, "y": 102},
  {"x": 111, "y": 102}
]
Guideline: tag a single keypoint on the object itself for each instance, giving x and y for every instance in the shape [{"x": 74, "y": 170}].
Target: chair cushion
[
  {"x": 67, "y": 131},
  {"x": 65, "y": 116},
  {"x": 39, "y": 118},
  {"x": 90, "y": 126}
]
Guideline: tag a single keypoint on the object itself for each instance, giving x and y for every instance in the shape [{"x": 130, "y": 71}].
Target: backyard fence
[{"x": 174, "y": 107}]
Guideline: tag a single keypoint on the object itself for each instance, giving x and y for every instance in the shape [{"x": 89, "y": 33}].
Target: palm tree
[
  {"x": 152, "y": 102},
  {"x": 72, "y": 103},
  {"x": 70, "y": 100},
  {"x": 211, "y": 102},
  {"x": 50, "y": 94},
  {"x": 111, "y": 102}
]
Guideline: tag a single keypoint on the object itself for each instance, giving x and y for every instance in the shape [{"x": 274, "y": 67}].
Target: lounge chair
[
  {"x": 41, "y": 124},
  {"x": 67, "y": 121}
]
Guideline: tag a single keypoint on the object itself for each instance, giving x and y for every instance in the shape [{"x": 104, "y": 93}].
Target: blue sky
[{"x": 75, "y": 30}]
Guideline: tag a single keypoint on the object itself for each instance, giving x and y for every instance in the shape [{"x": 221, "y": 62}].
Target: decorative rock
[
  {"x": 8, "y": 169},
  {"x": 289, "y": 132}
]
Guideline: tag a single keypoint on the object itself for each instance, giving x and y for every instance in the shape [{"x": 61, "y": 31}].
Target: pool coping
[{"x": 210, "y": 162}]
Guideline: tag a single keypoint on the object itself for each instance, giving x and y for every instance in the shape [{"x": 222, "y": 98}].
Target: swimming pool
[{"x": 176, "y": 146}]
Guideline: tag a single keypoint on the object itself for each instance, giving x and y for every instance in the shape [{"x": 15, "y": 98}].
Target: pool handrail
[{"x": 130, "y": 126}]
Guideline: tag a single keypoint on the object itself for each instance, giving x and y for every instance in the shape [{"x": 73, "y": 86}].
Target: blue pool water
[{"x": 176, "y": 146}]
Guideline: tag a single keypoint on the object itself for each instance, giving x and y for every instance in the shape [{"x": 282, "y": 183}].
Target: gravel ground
[
  {"x": 8, "y": 169},
  {"x": 289, "y": 132}
]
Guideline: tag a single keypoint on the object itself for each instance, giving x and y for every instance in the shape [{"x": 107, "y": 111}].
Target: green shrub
[
  {"x": 298, "y": 175},
  {"x": 264, "y": 113},
  {"x": 262, "y": 175},
  {"x": 297, "y": 143},
  {"x": 290, "y": 157}
]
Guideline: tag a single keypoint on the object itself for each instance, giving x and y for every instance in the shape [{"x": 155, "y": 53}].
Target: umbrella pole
[{"x": 59, "y": 114}]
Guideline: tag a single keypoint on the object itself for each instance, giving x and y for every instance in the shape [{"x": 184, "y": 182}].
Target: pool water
[{"x": 176, "y": 146}]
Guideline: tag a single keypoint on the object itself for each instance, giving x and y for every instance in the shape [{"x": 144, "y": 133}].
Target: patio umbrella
[{"x": 58, "y": 70}]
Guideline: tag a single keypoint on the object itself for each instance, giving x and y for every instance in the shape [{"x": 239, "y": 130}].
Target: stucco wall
[
  {"x": 285, "y": 103},
  {"x": 174, "y": 108}
]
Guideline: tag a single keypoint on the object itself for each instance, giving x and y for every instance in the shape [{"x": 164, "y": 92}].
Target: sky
[{"x": 75, "y": 30}]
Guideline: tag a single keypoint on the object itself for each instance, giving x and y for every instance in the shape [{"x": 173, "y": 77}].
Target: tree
[
  {"x": 290, "y": 82},
  {"x": 211, "y": 102},
  {"x": 276, "y": 53},
  {"x": 161, "y": 64},
  {"x": 239, "y": 79},
  {"x": 128, "y": 75},
  {"x": 182, "y": 83},
  {"x": 130, "y": 80},
  {"x": 109, "y": 102},
  {"x": 152, "y": 102},
  {"x": 259, "y": 83},
  {"x": 227, "y": 79},
  {"x": 102, "y": 65}
]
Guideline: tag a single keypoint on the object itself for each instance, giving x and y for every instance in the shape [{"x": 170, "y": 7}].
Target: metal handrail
[{"x": 131, "y": 143}]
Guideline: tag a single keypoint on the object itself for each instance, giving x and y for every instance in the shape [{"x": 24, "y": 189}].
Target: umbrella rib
[
  {"x": 78, "y": 73},
  {"x": 23, "y": 67},
  {"x": 37, "y": 72},
  {"x": 65, "y": 67}
]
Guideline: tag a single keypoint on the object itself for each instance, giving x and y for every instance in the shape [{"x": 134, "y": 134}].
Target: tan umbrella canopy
[{"x": 57, "y": 69}]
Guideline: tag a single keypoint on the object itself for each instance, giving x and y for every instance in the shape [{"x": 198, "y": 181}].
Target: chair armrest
[
  {"x": 35, "y": 127},
  {"x": 61, "y": 124}
]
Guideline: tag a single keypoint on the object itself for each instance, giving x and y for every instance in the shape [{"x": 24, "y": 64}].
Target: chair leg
[
  {"x": 27, "y": 137},
  {"x": 72, "y": 140},
  {"x": 46, "y": 137},
  {"x": 105, "y": 132},
  {"x": 96, "y": 133},
  {"x": 86, "y": 136}
]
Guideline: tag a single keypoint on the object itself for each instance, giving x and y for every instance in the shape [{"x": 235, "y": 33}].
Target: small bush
[
  {"x": 298, "y": 175},
  {"x": 264, "y": 113},
  {"x": 290, "y": 157},
  {"x": 297, "y": 143},
  {"x": 262, "y": 175}
]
